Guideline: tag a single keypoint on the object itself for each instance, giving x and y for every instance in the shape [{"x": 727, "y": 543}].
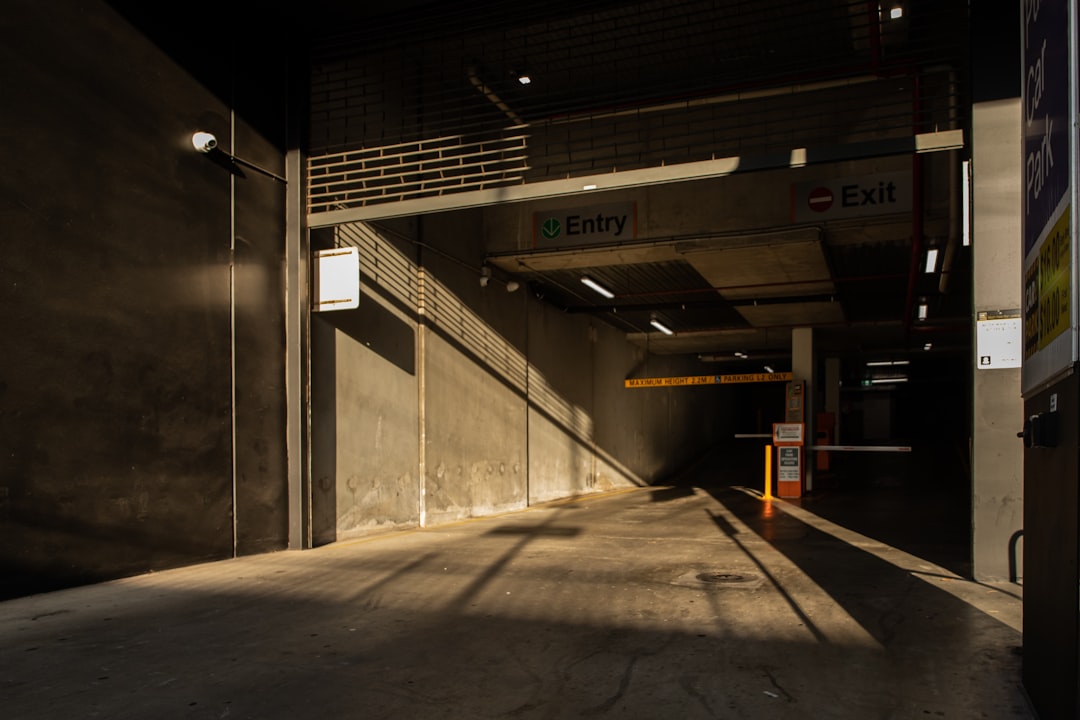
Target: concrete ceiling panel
[
  {"x": 714, "y": 341},
  {"x": 766, "y": 270},
  {"x": 793, "y": 315}
]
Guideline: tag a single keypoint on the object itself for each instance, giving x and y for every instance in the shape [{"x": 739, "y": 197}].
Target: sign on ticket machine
[{"x": 788, "y": 438}]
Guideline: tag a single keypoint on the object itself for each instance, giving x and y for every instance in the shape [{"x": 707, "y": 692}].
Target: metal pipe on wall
[
  {"x": 297, "y": 354},
  {"x": 421, "y": 376},
  {"x": 232, "y": 332},
  {"x": 916, "y": 206}
]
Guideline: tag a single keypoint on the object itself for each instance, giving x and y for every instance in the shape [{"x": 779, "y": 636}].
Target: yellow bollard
[{"x": 768, "y": 472}]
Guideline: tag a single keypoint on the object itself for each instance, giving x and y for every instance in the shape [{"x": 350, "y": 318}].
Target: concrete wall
[
  {"x": 509, "y": 401},
  {"x": 126, "y": 446},
  {"x": 998, "y": 413}
]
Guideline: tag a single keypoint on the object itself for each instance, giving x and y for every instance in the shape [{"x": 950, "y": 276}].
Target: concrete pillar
[
  {"x": 802, "y": 368},
  {"x": 998, "y": 411}
]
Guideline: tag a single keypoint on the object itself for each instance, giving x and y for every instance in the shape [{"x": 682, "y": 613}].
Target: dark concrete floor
[{"x": 700, "y": 601}]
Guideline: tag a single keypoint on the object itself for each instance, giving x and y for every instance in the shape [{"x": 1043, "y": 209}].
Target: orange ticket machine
[{"x": 789, "y": 438}]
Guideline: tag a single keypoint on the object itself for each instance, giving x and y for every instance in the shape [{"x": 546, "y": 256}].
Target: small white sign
[
  {"x": 336, "y": 279},
  {"x": 998, "y": 343},
  {"x": 788, "y": 433}
]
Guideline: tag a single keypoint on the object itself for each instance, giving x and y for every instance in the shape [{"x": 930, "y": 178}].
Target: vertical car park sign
[{"x": 1049, "y": 251}]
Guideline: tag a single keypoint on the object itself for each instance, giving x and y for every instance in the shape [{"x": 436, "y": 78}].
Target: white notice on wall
[
  {"x": 336, "y": 279},
  {"x": 999, "y": 343}
]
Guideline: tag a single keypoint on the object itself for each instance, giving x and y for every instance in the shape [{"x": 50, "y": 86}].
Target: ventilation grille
[
  {"x": 429, "y": 103},
  {"x": 416, "y": 169}
]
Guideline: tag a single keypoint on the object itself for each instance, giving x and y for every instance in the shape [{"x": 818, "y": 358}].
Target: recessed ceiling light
[
  {"x": 931, "y": 260},
  {"x": 661, "y": 327},
  {"x": 965, "y": 201},
  {"x": 589, "y": 282}
]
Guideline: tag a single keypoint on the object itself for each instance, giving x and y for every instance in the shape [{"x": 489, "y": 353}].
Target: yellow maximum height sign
[{"x": 707, "y": 380}]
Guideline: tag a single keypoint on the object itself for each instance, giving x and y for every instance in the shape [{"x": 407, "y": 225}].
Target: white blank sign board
[{"x": 337, "y": 279}]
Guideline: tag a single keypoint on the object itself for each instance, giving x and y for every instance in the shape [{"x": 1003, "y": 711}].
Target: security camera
[{"x": 204, "y": 142}]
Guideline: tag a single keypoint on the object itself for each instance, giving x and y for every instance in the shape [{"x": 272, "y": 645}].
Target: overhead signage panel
[
  {"x": 851, "y": 197},
  {"x": 707, "y": 380},
  {"x": 588, "y": 225}
]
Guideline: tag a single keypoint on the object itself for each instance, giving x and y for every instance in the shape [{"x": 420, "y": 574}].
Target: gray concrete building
[{"x": 360, "y": 308}]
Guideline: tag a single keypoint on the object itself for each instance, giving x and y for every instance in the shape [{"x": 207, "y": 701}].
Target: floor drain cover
[{"x": 724, "y": 578}]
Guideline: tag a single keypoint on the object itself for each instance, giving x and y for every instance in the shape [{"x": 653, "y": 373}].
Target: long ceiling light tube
[
  {"x": 661, "y": 327},
  {"x": 589, "y": 282}
]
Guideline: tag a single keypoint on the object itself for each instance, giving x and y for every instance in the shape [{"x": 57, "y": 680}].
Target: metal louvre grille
[
  {"x": 445, "y": 312},
  {"x": 431, "y": 105},
  {"x": 416, "y": 169}
]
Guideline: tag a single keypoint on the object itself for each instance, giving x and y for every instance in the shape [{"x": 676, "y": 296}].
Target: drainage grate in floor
[
  {"x": 719, "y": 580},
  {"x": 725, "y": 578}
]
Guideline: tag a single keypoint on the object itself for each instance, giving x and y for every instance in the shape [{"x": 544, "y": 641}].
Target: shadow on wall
[
  {"x": 323, "y": 432},
  {"x": 381, "y": 333},
  {"x": 377, "y": 329}
]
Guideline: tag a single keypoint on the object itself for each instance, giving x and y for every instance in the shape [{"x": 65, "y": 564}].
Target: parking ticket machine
[{"x": 788, "y": 439}]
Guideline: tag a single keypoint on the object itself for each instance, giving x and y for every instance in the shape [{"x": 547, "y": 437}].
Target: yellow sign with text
[
  {"x": 708, "y": 380},
  {"x": 1054, "y": 286},
  {"x": 1047, "y": 289}
]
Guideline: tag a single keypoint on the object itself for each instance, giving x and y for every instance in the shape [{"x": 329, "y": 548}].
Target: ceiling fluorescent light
[
  {"x": 888, "y": 381},
  {"x": 896, "y": 12},
  {"x": 524, "y": 78},
  {"x": 923, "y": 310},
  {"x": 887, "y": 363},
  {"x": 927, "y": 346},
  {"x": 589, "y": 282},
  {"x": 588, "y": 187},
  {"x": 661, "y": 327},
  {"x": 769, "y": 369},
  {"x": 931, "y": 260}
]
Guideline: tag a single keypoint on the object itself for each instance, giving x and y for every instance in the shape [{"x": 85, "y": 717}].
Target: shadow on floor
[{"x": 915, "y": 502}]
